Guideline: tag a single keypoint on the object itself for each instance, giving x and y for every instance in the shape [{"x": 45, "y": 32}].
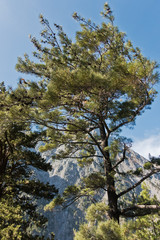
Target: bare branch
[
  {"x": 139, "y": 210},
  {"x": 122, "y": 159},
  {"x": 139, "y": 182},
  {"x": 80, "y": 157},
  {"x": 133, "y": 117},
  {"x": 97, "y": 144},
  {"x": 10, "y": 147},
  {"x": 76, "y": 198}
]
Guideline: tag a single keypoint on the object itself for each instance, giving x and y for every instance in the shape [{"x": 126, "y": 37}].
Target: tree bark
[
  {"x": 110, "y": 182},
  {"x": 139, "y": 210},
  {"x": 112, "y": 196},
  {"x": 3, "y": 164}
]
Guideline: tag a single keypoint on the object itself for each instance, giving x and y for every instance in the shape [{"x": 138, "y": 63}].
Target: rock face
[{"x": 68, "y": 172}]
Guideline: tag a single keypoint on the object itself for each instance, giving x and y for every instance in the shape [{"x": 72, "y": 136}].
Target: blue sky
[{"x": 140, "y": 19}]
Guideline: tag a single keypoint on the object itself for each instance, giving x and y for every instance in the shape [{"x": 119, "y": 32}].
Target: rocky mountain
[{"x": 68, "y": 172}]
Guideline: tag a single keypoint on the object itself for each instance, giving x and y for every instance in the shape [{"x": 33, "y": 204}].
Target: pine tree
[
  {"x": 19, "y": 189},
  {"x": 88, "y": 90}
]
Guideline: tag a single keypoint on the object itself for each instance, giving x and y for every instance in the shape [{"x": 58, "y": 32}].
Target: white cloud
[{"x": 148, "y": 145}]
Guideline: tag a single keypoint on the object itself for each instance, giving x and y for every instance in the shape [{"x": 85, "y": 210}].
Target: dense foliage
[
  {"x": 88, "y": 90},
  {"x": 19, "y": 188},
  {"x": 98, "y": 227}
]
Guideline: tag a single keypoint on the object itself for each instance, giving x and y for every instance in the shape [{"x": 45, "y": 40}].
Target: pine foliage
[
  {"x": 88, "y": 90},
  {"x": 19, "y": 189}
]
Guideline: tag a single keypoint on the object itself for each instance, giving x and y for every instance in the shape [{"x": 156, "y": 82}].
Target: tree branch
[
  {"x": 133, "y": 117},
  {"x": 139, "y": 182},
  {"x": 10, "y": 146},
  {"x": 139, "y": 210},
  {"x": 122, "y": 159},
  {"x": 96, "y": 142},
  {"x": 80, "y": 157}
]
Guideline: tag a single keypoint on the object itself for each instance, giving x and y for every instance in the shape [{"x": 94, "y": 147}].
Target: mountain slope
[{"x": 68, "y": 172}]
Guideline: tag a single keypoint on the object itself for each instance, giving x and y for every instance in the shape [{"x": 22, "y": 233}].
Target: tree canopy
[
  {"x": 87, "y": 90},
  {"x": 19, "y": 189}
]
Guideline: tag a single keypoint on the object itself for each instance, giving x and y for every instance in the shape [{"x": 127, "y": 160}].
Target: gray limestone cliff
[{"x": 68, "y": 172}]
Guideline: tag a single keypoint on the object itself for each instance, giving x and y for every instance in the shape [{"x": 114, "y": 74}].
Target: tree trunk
[
  {"x": 112, "y": 196},
  {"x": 3, "y": 164},
  {"x": 110, "y": 182}
]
